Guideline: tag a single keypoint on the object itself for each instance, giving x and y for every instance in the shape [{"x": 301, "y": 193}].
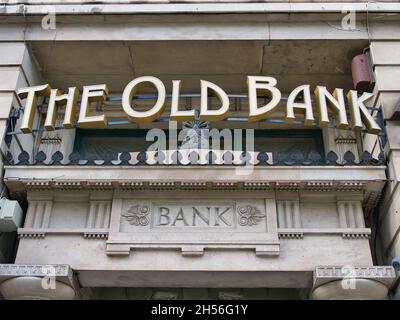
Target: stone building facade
[{"x": 316, "y": 216}]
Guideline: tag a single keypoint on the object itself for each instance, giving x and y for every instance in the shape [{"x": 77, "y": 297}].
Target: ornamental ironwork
[{"x": 210, "y": 157}]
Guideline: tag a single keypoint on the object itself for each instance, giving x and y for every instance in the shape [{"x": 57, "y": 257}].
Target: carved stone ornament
[
  {"x": 137, "y": 215},
  {"x": 250, "y": 215}
]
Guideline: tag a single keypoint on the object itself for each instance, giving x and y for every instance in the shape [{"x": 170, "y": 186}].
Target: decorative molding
[
  {"x": 287, "y": 186},
  {"x": 68, "y": 185},
  {"x": 163, "y": 185},
  {"x": 383, "y": 274},
  {"x": 28, "y": 233},
  {"x": 356, "y": 235},
  {"x": 318, "y": 186},
  {"x": 31, "y": 234},
  {"x": 194, "y": 185},
  {"x": 347, "y": 233},
  {"x": 24, "y": 270},
  {"x": 38, "y": 185},
  {"x": 128, "y": 186},
  {"x": 311, "y": 185},
  {"x": 99, "y": 185},
  {"x": 257, "y": 186},
  {"x": 95, "y": 235},
  {"x": 225, "y": 185},
  {"x": 290, "y": 235},
  {"x": 351, "y": 186}
]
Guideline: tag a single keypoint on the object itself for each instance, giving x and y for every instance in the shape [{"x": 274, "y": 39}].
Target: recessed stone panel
[{"x": 193, "y": 225}]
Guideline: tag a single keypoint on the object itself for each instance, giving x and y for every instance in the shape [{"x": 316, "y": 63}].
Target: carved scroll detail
[
  {"x": 137, "y": 215},
  {"x": 249, "y": 215}
]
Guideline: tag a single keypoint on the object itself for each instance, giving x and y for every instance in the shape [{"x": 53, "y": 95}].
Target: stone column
[
  {"x": 386, "y": 62},
  {"x": 38, "y": 282},
  {"x": 352, "y": 283}
]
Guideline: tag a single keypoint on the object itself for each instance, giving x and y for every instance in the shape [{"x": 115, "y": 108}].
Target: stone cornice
[
  {"x": 71, "y": 185},
  {"x": 188, "y": 178},
  {"x": 365, "y": 181}
]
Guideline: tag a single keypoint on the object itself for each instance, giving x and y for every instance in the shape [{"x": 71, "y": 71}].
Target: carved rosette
[
  {"x": 249, "y": 215},
  {"x": 137, "y": 215}
]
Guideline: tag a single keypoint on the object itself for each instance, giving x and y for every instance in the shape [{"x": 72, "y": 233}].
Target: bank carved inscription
[
  {"x": 221, "y": 215},
  {"x": 193, "y": 216}
]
